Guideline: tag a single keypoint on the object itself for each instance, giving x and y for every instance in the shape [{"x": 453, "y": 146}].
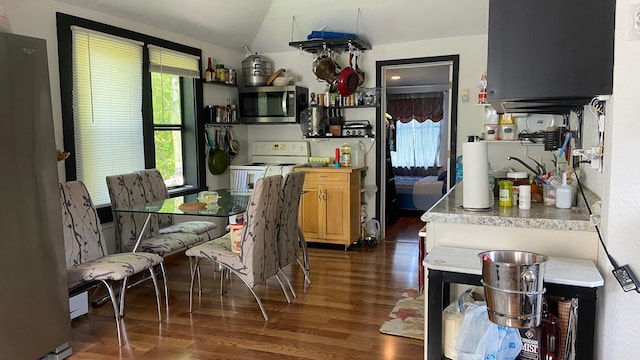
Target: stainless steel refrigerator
[{"x": 34, "y": 305}]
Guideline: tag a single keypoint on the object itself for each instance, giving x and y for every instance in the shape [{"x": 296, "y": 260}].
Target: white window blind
[
  {"x": 173, "y": 62},
  {"x": 107, "y": 109}
]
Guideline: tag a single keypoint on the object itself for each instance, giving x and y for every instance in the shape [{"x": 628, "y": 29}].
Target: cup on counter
[{"x": 549, "y": 194}]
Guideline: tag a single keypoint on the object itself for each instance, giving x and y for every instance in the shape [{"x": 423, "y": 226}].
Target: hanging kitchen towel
[
  {"x": 475, "y": 176},
  {"x": 239, "y": 179}
]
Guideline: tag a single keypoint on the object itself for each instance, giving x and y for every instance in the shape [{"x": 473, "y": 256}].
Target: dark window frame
[{"x": 193, "y": 145}]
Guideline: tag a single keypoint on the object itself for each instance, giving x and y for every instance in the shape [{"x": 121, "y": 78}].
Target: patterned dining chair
[
  {"x": 154, "y": 189},
  {"x": 289, "y": 240},
  {"x": 258, "y": 257},
  {"x": 127, "y": 190},
  {"x": 88, "y": 263}
]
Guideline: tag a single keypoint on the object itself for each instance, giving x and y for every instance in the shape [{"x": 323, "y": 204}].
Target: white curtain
[{"x": 417, "y": 144}]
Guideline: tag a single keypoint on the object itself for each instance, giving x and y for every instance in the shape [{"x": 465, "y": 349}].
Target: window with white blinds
[
  {"x": 173, "y": 62},
  {"x": 107, "y": 108}
]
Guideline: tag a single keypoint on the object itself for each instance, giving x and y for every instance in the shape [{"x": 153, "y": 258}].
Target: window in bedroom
[
  {"x": 418, "y": 128},
  {"x": 417, "y": 144}
]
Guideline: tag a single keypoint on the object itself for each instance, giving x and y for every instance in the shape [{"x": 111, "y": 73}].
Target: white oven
[{"x": 269, "y": 158}]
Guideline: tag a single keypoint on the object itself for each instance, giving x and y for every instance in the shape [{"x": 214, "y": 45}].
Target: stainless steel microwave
[{"x": 272, "y": 104}]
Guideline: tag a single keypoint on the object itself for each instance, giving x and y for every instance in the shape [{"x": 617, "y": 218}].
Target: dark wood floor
[{"x": 338, "y": 316}]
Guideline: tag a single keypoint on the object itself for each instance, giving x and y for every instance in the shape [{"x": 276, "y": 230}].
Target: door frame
[{"x": 454, "y": 66}]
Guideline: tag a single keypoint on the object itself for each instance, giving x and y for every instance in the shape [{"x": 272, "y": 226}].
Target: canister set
[{"x": 499, "y": 127}]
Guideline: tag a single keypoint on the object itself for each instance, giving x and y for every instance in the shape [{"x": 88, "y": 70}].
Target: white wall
[{"x": 618, "y": 311}]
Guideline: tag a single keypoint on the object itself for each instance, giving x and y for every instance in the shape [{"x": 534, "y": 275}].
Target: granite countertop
[{"x": 449, "y": 210}]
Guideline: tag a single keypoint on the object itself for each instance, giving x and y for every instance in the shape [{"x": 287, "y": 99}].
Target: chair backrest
[
  {"x": 127, "y": 190},
  {"x": 154, "y": 188},
  {"x": 259, "y": 251},
  {"x": 83, "y": 238},
  {"x": 288, "y": 218}
]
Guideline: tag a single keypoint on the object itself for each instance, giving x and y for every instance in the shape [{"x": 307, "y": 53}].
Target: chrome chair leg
[
  {"x": 196, "y": 269},
  {"x": 286, "y": 294},
  {"x": 123, "y": 289},
  {"x": 293, "y": 292},
  {"x": 116, "y": 311},
  {"x": 304, "y": 265},
  {"x": 166, "y": 286},
  {"x": 154, "y": 278}
]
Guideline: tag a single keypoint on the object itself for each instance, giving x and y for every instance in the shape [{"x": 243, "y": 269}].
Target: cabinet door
[
  {"x": 336, "y": 203},
  {"x": 310, "y": 218}
]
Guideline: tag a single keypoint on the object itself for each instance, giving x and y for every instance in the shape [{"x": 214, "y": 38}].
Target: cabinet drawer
[{"x": 325, "y": 176}]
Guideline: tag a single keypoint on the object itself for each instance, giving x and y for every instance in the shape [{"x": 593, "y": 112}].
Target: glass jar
[
  {"x": 345, "y": 155},
  {"x": 221, "y": 74}
]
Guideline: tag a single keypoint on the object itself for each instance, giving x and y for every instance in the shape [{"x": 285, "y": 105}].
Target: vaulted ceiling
[{"x": 269, "y": 25}]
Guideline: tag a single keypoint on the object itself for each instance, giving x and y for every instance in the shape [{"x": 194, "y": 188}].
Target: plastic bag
[
  {"x": 452, "y": 322},
  {"x": 480, "y": 339}
]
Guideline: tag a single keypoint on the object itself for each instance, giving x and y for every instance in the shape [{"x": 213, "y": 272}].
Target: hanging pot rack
[{"x": 316, "y": 46}]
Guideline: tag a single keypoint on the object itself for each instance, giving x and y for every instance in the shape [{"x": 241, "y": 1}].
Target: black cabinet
[{"x": 549, "y": 54}]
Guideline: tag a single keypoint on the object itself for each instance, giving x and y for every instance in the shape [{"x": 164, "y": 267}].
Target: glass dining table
[{"x": 230, "y": 202}]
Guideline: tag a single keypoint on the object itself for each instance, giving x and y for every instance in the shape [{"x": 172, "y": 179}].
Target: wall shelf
[
  {"x": 218, "y": 83},
  {"x": 340, "y": 137}
]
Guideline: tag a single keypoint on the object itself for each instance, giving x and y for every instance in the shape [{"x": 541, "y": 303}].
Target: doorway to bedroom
[{"x": 417, "y": 134}]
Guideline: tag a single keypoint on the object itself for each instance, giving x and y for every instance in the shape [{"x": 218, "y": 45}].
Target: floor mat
[{"x": 407, "y": 317}]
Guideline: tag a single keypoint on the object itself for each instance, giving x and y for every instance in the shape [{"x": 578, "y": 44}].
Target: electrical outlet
[{"x": 634, "y": 22}]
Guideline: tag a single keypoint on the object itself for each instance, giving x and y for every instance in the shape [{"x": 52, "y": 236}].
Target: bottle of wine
[
  {"x": 208, "y": 74},
  {"x": 228, "y": 111}
]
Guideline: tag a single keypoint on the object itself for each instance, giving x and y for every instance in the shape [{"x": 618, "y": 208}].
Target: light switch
[{"x": 464, "y": 93}]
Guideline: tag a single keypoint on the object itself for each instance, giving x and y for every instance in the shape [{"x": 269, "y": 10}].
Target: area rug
[{"x": 407, "y": 317}]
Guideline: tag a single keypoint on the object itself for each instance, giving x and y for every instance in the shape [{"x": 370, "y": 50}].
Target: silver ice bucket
[{"x": 514, "y": 287}]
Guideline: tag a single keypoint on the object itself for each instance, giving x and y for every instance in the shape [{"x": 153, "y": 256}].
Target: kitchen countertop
[
  {"x": 329, "y": 168},
  {"x": 559, "y": 270},
  {"x": 449, "y": 210}
]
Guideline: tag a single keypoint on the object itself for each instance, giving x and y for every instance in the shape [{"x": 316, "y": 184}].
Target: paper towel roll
[{"x": 475, "y": 176}]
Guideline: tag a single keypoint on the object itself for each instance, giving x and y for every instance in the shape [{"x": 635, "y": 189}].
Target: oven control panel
[{"x": 289, "y": 148}]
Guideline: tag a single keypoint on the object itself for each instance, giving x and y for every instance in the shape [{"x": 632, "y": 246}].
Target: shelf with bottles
[
  {"x": 361, "y": 98},
  {"x": 338, "y": 137},
  {"x": 219, "y": 83}
]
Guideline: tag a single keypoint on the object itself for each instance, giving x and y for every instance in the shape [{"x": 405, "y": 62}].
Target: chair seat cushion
[
  {"x": 218, "y": 250},
  {"x": 165, "y": 244},
  {"x": 192, "y": 227},
  {"x": 111, "y": 267}
]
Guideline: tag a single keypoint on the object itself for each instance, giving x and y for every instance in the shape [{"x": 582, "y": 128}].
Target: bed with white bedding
[{"x": 417, "y": 193}]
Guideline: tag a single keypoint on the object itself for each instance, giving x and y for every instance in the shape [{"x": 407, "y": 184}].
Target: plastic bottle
[
  {"x": 524, "y": 197},
  {"x": 357, "y": 155},
  {"x": 458, "y": 169},
  {"x": 563, "y": 194}
]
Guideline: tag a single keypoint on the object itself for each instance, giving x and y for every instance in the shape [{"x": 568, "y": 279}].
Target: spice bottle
[{"x": 345, "y": 155}]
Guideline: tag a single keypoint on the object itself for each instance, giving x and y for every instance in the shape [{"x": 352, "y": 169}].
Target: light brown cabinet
[{"x": 330, "y": 205}]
